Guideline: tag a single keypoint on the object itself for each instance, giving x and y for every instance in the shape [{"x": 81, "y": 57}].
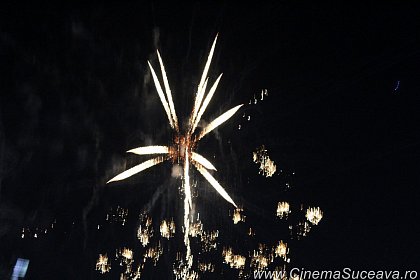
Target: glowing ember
[
  {"x": 237, "y": 216},
  {"x": 167, "y": 229},
  {"x": 314, "y": 215},
  {"x": 283, "y": 209},
  {"x": 235, "y": 261},
  {"x": 102, "y": 264},
  {"x": 267, "y": 166}
]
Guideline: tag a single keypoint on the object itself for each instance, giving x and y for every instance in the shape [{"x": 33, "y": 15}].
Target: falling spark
[
  {"x": 264, "y": 92},
  {"x": 102, "y": 265},
  {"x": 314, "y": 215},
  {"x": 283, "y": 209},
  {"x": 267, "y": 166}
]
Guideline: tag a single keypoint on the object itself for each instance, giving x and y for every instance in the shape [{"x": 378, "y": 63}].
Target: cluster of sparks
[
  {"x": 153, "y": 253},
  {"x": 208, "y": 239},
  {"x": 233, "y": 260},
  {"x": 125, "y": 255},
  {"x": 167, "y": 228},
  {"x": 117, "y": 215},
  {"x": 145, "y": 230},
  {"x": 206, "y": 267},
  {"x": 238, "y": 216},
  {"x": 267, "y": 167},
  {"x": 102, "y": 264},
  {"x": 283, "y": 209},
  {"x": 36, "y": 232},
  {"x": 281, "y": 250},
  {"x": 314, "y": 215},
  {"x": 262, "y": 258},
  {"x": 264, "y": 92}
]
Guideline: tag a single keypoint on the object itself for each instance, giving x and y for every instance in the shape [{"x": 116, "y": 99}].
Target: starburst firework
[{"x": 184, "y": 142}]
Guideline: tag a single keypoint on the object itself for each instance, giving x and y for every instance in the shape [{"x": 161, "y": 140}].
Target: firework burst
[
  {"x": 184, "y": 144},
  {"x": 184, "y": 141}
]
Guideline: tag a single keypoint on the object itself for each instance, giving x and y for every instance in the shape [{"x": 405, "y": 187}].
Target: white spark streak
[
  {"x": 136, "y": 169},
  {"x": 161, "y": 95},
  {"x": 149, "y": 150},
  {"x": 219, "y": 120},
  {"x": 203, "y": 161},
  {"x": 187, "y": 178},
  {"x": 187, "y": 206},
  {"x": 206, "y": 102},
  {"x": 207, "y": 66},
  {"x": 168, "y": 92},
  {"x": 198, "y": 100},
  {"x": 197, "y": 104},
  {"x": 214, "y": 184}
]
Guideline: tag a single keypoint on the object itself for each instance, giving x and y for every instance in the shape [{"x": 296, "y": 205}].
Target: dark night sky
[{"x": 342, "y": 114}]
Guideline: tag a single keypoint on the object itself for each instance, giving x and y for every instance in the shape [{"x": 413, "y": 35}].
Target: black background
[{"x": 342, "y": 114}]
